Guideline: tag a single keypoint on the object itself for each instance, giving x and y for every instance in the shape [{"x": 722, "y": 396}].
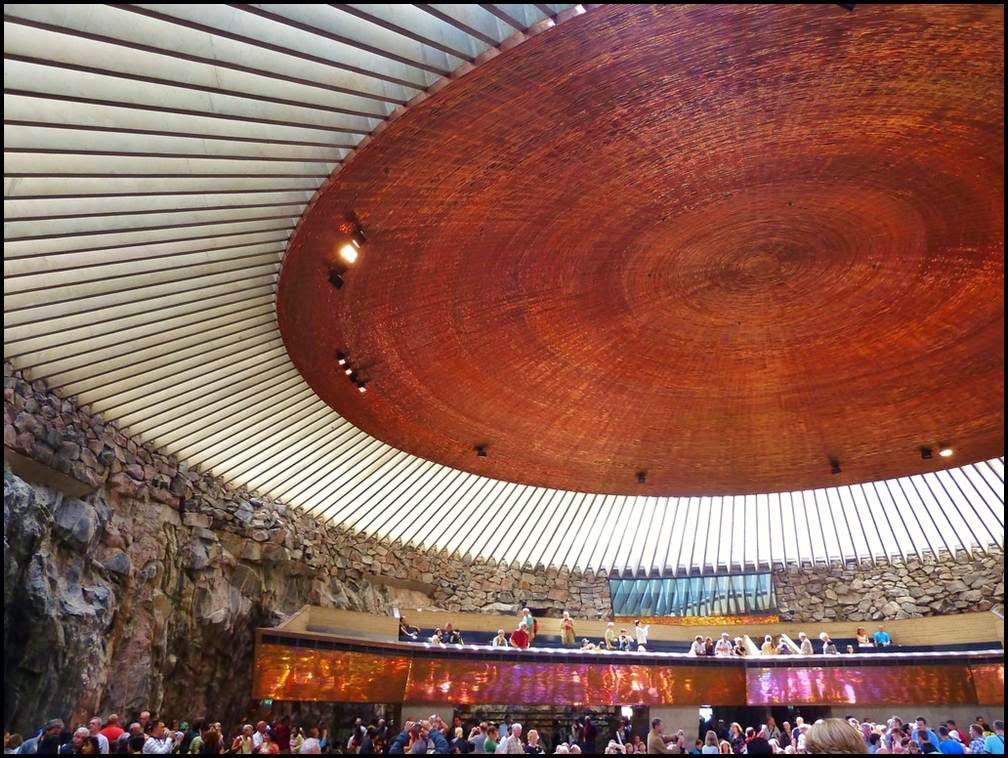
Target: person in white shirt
[
  {"x": 500, "y": 640},
  {"x": 724, "y": 646},
  {"x": 641, "y": 632},
  {"x": 513, "y": 743},
  {"x": 698, "y": 648},
  {"x": 805, "y": 644},
  {"x": 94, "y": 728},
  {"x": 159, "y": 742},
  {"x": 257, "y": 737}
]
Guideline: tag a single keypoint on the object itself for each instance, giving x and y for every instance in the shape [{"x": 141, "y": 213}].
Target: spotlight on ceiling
[
  {"x": 481, "y": 451},
  {"x": 926, "y": 453},
  {"x": 349, "y": 253},
  {"x": 361, "y": 387},
  {"x": 834, "y": 466},
  {"x": 341, "y": 359},
  {"x": 641, "y": 477},
  {"x": 945, "y": 452},
  {"x": 347, "y": 370},
  {"x": 336, "y": 278}
]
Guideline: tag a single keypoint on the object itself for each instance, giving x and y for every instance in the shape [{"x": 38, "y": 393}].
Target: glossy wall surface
[{"x": 312, "y": 668}]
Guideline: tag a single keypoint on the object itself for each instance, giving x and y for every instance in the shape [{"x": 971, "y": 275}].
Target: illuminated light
[
  {"x": 341, "y": 359},
  {"x": 945, "y": 452},
  {"x": 361, "y": 387},
  {"x": 348, "y": 371},
  {"x": 349, "y": 253}
]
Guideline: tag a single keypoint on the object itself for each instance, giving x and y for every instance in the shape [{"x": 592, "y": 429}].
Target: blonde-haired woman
[
  {"x": 834, "y": 737},
  {"x": 567, "y": 636},
  {"x": 710, "y": 746}
]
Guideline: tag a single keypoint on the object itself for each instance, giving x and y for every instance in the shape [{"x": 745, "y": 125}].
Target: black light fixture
[
  {"x": 641, "y": 477},
  {"x": 361, "y": 386},
  {"x": 834, "y": 466},
  {"x": 926, "y": 453},
  {"x": 336, "y": 278},
  {"x": 481, "y": 451},
  {"x": 341, "y": 359}
]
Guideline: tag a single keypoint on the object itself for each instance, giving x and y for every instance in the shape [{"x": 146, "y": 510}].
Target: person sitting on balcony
[
  {"x": 709, "y": 647},
  {"x": 407, "y": 631},
  {"x": 783, "y": 648},
  {"x": 626, "y": 642},
  {"x": 436, "y": 638},
  {"x": 610, "y": 636},
  {"x": 698, "y": 649},
  {"x": 740, "y": 648},
  {"x": 587, "y": 644},
  {"x": 500, "y": 640},
  {"x": 767, "y": 648},
  {"x": 828, "y": 646},
  {"x": 804, "y": 644},
  {"x": 452, "y": 637},
  {"x": 724, "y": 646},
  {"x": 863, "y": 640},
  {"x": 882, "y": 638},
  {"x": 520, "y": 637}
]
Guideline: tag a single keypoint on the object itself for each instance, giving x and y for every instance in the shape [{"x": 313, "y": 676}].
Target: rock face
[
  {"x": 147, "y": 592},
  {"x": 891, "y": 590}
]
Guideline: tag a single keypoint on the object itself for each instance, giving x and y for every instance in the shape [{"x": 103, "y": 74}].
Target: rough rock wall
[
  {"x": 892, "y": 590},
  {"x": 146, "y": 592}
]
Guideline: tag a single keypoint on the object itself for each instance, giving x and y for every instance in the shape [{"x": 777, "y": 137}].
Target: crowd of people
[
  {"x": 636, "y": 640},
  {"x": 582, "y": 736}
]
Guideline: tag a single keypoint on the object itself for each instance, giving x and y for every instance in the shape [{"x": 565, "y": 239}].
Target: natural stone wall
[
  {"x": 929, "y": 587},
  {"x": 146, "y": 592}
]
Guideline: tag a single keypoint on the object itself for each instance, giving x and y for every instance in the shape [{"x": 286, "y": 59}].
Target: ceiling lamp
[
  {"x": 349, "y": 253},
  {"x": 361, "y": 387},
  {"x": 926, "y": 453},
  {"x": 945, "y": 452},
  {"x": 834, "y": 466},
  {"x": 481, "y": 451},
  {"x": 641, "y": 477}
]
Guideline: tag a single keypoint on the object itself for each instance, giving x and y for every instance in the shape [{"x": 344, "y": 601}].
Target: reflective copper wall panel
[
  {"x": 988, "y": 679},
  {"x": 294, "y": 673},
  {"x": 467, "y": 682},
  {"x": 865, "y": 685}
]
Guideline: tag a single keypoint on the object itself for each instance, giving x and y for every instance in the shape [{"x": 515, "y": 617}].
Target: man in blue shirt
[
  {"x": 947, "y": 745},
  {"x": 922, "y": 734},
  {"x": 995, "y": 743},
  {"x": 882, "y": 638}
]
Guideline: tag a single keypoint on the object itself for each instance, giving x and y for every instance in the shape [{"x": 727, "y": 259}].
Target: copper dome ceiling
[{"x": 719, "y": 245}]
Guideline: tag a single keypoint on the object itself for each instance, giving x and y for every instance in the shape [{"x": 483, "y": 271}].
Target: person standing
[
  {"x": 994, "y": 744},
  {"x": 656, "y": 741},
  {"x": 610, "y": 636},
  {"x": 530, "y": 624},
  {"x": 567, "y": 636},
  {"x": 641, "y": 633}
]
